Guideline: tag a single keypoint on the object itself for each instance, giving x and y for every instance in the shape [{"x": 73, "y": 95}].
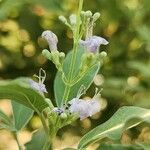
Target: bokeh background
[{"x": 124, "y": 77}]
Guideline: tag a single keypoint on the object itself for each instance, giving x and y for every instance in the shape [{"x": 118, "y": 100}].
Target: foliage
[{"x": 125, "y": 75}]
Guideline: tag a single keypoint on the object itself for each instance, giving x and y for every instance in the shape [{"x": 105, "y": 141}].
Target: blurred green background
[{"x": 125, "y": 75}]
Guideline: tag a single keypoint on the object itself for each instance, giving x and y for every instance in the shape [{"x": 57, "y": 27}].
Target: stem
[
  {"x": 46, "y": 129},
  {"x": 17, "y": 140},
  {"x": 48, "y": 142},
  {"x": 73, "y": 58}
]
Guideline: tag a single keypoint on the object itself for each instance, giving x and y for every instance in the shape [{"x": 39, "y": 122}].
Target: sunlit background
[{"x": 124, "y": 77}]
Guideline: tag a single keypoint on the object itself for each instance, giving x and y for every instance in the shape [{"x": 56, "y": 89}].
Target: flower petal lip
[
  {"x": 51, "y": 39},
  {"x": 84, "y": 108},
  {"x": 93, "y": 43},
  {"x": 40, "y": 87}
]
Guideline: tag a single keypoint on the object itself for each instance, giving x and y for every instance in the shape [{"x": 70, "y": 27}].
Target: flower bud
[
  {"x": 83, "y": 13},
  {"x": 63, "y": 19},
  {"x": 63, "y": 115},
  {"x": 88, "y": 14},
  {"x": 103, "y": 54},
  {"x": 96, "y": 16},
  {"x": 51, "y": 39},
  {"x": 73, "y": 19},
  {"x": 46, "y": 54}
]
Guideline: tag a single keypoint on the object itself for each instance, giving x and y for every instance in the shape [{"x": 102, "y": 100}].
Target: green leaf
[
  {"x": 4, "y": 118},
  {"x": 21, "y": 115},
  {"x": 8, "y": 127},
  {"x": 115, "y": 126},
  {"x": 86, "y": 80},
  {"x": 37, "y": 142},
  {"x": 145, "y": 146},
  {"x": 119, "y": 147},
  {"x": 20, "y": 91}
]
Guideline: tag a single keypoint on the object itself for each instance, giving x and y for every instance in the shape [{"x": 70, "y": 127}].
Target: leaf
[
  {"x": 4, "y": 118},
  {"x": 86, "y": 80},
  {"x": 20, "y": 91},
  {"x": 115, "y": 126},
  {"x": 21, "y": 115},
  {"x": 8, "y": 127},
  {"x": 37, "y": 142},
  {"x": 145, "y": 146},
  {"x": 119, "y": 147}
]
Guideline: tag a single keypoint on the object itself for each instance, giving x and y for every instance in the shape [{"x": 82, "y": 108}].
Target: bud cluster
[{"x": 55, "y": 56}]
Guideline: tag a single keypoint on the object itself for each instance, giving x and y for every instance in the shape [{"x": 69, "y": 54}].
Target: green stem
[
  {"x": 17, "y": 140},
  {"x": 73, "y": 58},
  {"x": 48, "y": 142},
  {"x": 80, "y": 76},
  {"x": 46, "y": 129}
]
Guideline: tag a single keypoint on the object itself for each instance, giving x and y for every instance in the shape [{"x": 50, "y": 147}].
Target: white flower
[
  {"x": 94, "y": 106},
  {"x": 51, "y": 38},
  {"x": 84, "y": 108},
  {"x": 40, "y": 87},
  {"x": 93, "y": 43}
]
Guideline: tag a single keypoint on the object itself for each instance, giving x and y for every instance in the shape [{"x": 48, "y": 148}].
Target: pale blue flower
[
  {"x": 92, "y": 44},
  {"x": 51, "y": 39},
  {"x": 84, "y": 108},
  {"x": 39, "y": 86}
]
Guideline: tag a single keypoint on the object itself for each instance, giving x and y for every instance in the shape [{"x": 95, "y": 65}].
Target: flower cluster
[
  {"x": 80, "y": 107},
  {"x": 84, "y": 108}
]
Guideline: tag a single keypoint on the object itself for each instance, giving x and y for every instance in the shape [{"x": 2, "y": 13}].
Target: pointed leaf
[
  {"x": 20, "y": 91},
  {"x": 21, "y": 115},
  {"x": 115, "y": 126},
  {"x": 86, "y": 80}
]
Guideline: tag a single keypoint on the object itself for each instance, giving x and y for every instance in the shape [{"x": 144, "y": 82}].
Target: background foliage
[{"x": 125, "y": 76}]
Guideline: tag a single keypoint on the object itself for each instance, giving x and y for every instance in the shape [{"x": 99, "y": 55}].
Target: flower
[
  {"x": 93, "y": 43},
  {"x": 39, "y": 86},
  {"x": 57, "y": 110},
  {"x": 51, "y": 38},
  {"x": 84, "y": 108}
]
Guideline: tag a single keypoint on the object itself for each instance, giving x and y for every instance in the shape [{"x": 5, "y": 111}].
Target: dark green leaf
[
  {"x": 116, "y": 125},
  {"x": 20, "y": 91},
  {"x": 21, "y": 115},
  {"x": 86, "y": 80}
]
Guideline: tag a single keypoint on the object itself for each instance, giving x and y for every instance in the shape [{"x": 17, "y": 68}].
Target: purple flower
[
  {"x": 40, "y": 87},
  {"x": 93, "y": 43},
  {"x": 84, "y": 108},
  {"x": 51, "y": 39}
]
